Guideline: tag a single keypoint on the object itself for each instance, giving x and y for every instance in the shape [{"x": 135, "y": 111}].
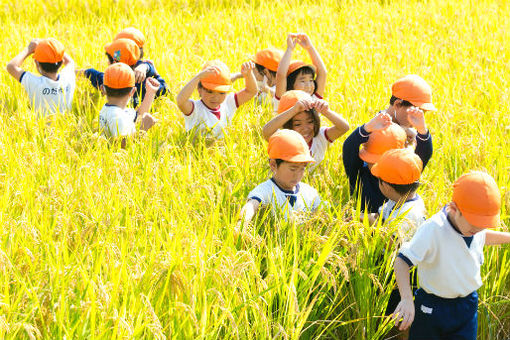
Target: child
[
  {"x": 297, "y": 75},
  {"x": 119, "y": 85},
  {"x": 216, "y": 107},
  {"x": 300, "y": 112},
  {"x": 409, "y": 93},
  {"x": 289, "y": 155},
  {"x": 266, "y": 64},
  {"x": 127, "y": 51},
  {"x": 448, "y": 252},
  {"x": 53, "y": 91},
  {"x": 378, "y": 136}
]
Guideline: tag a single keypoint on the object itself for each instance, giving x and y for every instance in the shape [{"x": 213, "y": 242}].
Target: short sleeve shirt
[
  {"x": 115, "y": 121},
  {"x": 320, "y": 144},
  {"x": 412, "y": 214},
  {"x": 49, "y": 96},
  {"x": 211, "y": 122}
]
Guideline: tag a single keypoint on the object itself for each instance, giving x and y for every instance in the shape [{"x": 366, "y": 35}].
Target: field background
[{"x": 99, "y": 242}]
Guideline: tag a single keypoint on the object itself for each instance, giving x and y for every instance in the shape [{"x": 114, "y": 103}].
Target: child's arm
[
  {"x": 182, "y": 99},
  {"x": 283, "y": 66},
  {"x": 251, "y": 88},
  {"x": 423, "y": 140},
  {"x": 493, "y": 237},
  {"x": 146, "y": 119},
  {"x": 235, "y": 76},
  {"x": 249, "y": 210},
  {"x": 306, "y": 43},
  {"x": 277, "y": 122},
  {"x": 14, "y": 66},
  {"x": 68, "y": 61},
  {"x": 340, "y": 125},
  {"x": 404, "y": 313},
  {"x": 141, "y": 72}
]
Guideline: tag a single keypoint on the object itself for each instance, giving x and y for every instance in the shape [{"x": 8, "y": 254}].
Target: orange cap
[
  {"x": 393, "y": 137},
  {"x": 290, "y": 146},
  {"x": 297, "y": 64},
  {"x": 415, "y": 90},
  {"x": 49, "y": 51},
  {"x": 269, "y": 58},
  {"x": 119, "y": 76},
  {"x": 217, "y": 82},
  {"x": 133, "y": 34},
  {"x": 290, "y": 98},
  {"x": 398, "y": 166},
  {"x": 123, "y": 50},
  {"x": 477, "y": 196}
]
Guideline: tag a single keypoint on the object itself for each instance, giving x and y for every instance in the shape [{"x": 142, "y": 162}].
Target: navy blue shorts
[{"x": 437, "y": 318}]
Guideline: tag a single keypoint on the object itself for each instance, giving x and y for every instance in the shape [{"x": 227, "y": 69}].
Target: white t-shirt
[
  {"x": 206, "y": 120},
  {"x": 48, "y": 96},
  {"x": 412, "y": 213},
  {"x": 115, "y": 121},
  {"x": 269, "y": 193},
  {"x": 320, "y": 144},
  {"x": 447, "y": 267}
]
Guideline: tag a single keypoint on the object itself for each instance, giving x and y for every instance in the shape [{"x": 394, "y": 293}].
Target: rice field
[{"x": 99, "y": 242}]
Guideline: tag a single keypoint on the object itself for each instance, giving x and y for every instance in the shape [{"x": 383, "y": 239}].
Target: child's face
[
  {"x": 303, "y": 123},
  {"x": 287, "y": 174},
  {"x": 259, "y": 76},
  {"x": 271, "y": 80},
  {"x": 304, "y": 82},
  {"x": 466, "y": 228},
  {"x": 212, "y": 99}
]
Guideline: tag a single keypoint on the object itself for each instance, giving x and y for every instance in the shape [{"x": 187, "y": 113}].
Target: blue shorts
[{"x": 438, "y": 318}]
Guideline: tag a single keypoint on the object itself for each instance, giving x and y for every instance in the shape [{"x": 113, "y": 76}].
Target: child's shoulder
[{"x": 307, "y": 189}]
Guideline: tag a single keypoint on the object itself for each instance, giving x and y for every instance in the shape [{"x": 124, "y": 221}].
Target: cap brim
[
  {"x": 368, "y": 157},
  {"x": 300, "y": 159},
  {"x": 375, "y": 170},
  {"x": 481, "y": 221},
  {"x": 216, "y": 87},
  {"x": 300, "y": 67},
  {"x": 425, "y": 106}
]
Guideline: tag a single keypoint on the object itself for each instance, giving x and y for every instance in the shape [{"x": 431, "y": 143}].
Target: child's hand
[
  {"x": 404, "y": 314},
  {"x": 148, "y": 121},
  {"x": 151, "y": 85},
  {"x": 304, "y": 104},
  {"x": 209, "y": 71},
  {"x": 141, "y": 72},
  {"x": 304, "y": 41},
  {"x": 292, "y": 39},
  {"x": 321, "y": 106},
  {"x": 381, "y": 121},
  {"x": 32, "y": 45},
  {"x": 416, "y": 117},
  {"x": 247, "y": 67}
]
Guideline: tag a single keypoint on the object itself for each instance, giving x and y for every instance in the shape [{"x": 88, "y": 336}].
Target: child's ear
[{"x": 273, "y": 165}]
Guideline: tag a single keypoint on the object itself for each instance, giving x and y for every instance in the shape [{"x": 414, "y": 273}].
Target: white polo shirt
[
  {"x": 412, "y": 214},
  {"x": 269, "y": 193},
  {"x": 115, "y": 121},
  {"x": 209, "y": 121},
  {"x": 447, "y": 266},
  {"x": 48, "y": 96},
  {"x": 320, "y": 144}
]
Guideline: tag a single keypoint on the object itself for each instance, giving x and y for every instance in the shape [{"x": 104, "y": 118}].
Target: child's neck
[
  {"x": 401, "y": 199},
  {"x": 52, "y": 76},
  {"x": 283, "y": 186},
  {"x": 120, "y": 102}
]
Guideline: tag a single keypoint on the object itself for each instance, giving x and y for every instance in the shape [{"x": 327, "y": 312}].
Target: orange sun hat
[
  {"x": 289, "y": 146},
  {"x": 217, "y": 82},
  {"x": 119, "y": 76},
  {"x": 290, "y": 98},
  {"x": 477, "y": 196},
  {"x": 398, "y": 166},
  {"x": 415, "y": 90},
  {"x": 297, "y": 64},
  {"x": 49, "y": 50},
  {"x": 393, "y": 137},
  {"x": 133, "y": 34},
  {"x": 123, "y": 50},
  {"x": 269, "y": 58}
]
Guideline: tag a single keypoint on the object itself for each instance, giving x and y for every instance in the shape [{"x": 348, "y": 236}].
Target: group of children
[{"x": 383, "y": 158}]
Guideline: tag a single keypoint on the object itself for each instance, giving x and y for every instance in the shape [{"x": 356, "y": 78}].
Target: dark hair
[
  {"x": 50, "y": 67},
  {"x": 404, "y": 103},
  {"x": 261, "y": 69},
  {"x": 316, "y": 122},
  {"x": 278, "y": 161},
  {"x": 117, "y": 93},
  {"x": 141, "y": 53},
  {"x": 403, "y": 189},
  {"x": 291, "y": 78},
  {"x": 200, "y": 86}
]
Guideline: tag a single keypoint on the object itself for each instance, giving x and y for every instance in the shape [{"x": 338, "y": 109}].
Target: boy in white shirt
[
  {"x": 289, "y": 155},
  {"x": 115, "y": 120},
  {"x": 216, "y": 107},
  {"x": 53, "y": 91},
  {"x": 448, "y": 252}
]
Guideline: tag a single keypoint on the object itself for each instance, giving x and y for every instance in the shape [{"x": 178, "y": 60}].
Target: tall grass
[{"x": 100, "y": 242}]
